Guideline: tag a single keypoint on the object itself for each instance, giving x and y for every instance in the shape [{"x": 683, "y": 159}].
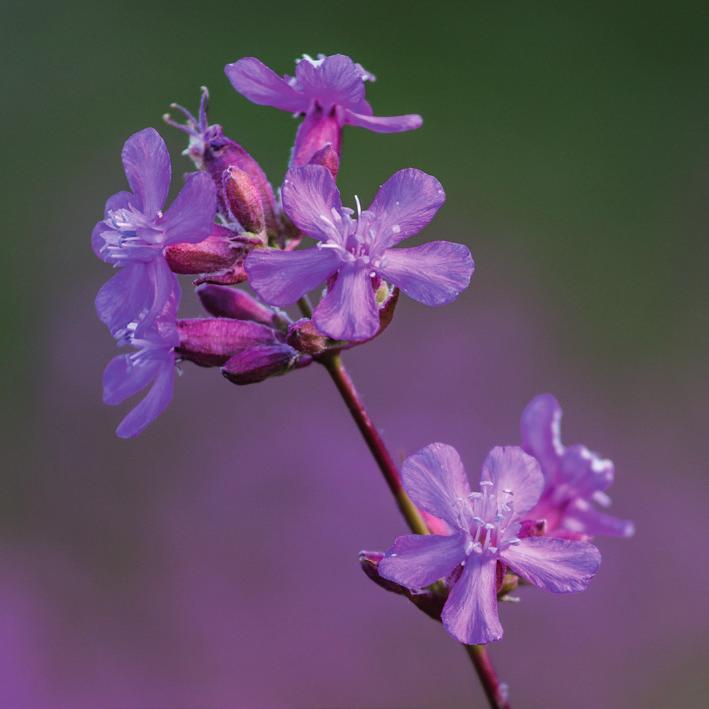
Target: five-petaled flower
[
  {"x": 484, "y": 530},
  {"x": 575, "y": 477},
  {"x": 329, "y": 91},
  {"x": 355, "y": 253},
  {"x": 134, "y": 232}
]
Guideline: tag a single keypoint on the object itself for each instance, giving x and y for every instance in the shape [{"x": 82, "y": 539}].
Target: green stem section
[{"x": 332, "y": 361}]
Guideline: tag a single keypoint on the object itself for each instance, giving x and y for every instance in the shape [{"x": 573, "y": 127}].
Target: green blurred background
[{"x": 572, "y": 140}]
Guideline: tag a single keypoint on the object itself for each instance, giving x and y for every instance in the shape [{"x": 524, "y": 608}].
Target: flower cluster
[
  {"x": 227, "y": 227},
  {"x": 532, "y": 517}
]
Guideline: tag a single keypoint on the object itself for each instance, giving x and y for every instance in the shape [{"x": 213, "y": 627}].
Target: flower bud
[
  {"x": 243, "y": 200},
  {"x": 211, "y": 342},
  {"x": 217, "y": 252},
  {"x": 305, "y": 337},
  {"x": 262, "y": 361},
  {"x": 225, "y": 302}
]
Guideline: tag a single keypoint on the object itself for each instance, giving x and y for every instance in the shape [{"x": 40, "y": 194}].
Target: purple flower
[
  {"x": 329, "y": 91},
  {"x": 152, "y": 364},
  {"x": 574, "y": 477},
  {"x": 483, "y": 530},
  {"x": 356, "y": 252},
  {"x": 134, "y": 232}
]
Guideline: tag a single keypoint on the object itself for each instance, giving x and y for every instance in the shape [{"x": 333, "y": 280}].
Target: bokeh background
[{"x": 213, "y": 561}]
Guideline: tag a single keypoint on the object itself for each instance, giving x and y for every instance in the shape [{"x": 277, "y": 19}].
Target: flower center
[
  {"x": 490, "y": 516},
  {"x": 353, "y": 239},
  {"x": 149, "y": 347},
  {"x": 130, "y": 236}
]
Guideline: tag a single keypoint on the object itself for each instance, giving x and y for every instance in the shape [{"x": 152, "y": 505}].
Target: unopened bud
[
  {"x": 211, "y": 342},
  {"x": 262, "y": 361},
  {"x": 243, "y": 199},
  {"x": 225, "y": 302},
  {"x": 217, "y": 252},
  {"x": 305, "y": 337}
]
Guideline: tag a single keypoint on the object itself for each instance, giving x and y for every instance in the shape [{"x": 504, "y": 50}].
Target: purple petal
[
  {"x": 585, "y": 471},
  {"x": 510, "y": 468},
  {"x": 97, "y": 241},
  {"x": 541, "y": 432},
  {"x": 155, "y": 402},
  {"x": 147, "y": 165},
  {"x": 162, "y": 291},
  {"x": 121, "y": 299},
  {"x": 435, "y": 480},
  {"x": 348, "y": 311},
  {"x": 312, "y": 201},
  {"x": 416, "y": 561},
  {"x": 191, "y": 216},
  {"x": 405, "y": 204},
  {"x": 122, "y": 379},
  {"x": 120, "y": 200},
  {"x": 581, "y": 517},
  {"x": 335, "y": 82},
  {"x": 470, "y": 613},
  {"x": 261, "y": 85},
  {"x": 433, "y": 273},
  {"x": 384, "y": 124},
  {"x": 281, "y": 277},
  {"x": 558, "y": 565}
]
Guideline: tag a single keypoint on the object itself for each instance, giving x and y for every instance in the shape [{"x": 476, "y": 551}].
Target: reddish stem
[{"x": 495, "y": 691}]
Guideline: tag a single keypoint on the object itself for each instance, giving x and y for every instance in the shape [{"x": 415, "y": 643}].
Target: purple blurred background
[{"x": 212, "y": 562}]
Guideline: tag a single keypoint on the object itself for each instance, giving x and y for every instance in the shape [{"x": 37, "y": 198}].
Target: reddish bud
[
  {"x": 225, "y": 302},
  {"x": 210, "y": 342},
  {"x": 243, "y": 200},
  {"x": 262, "y": 361},
  {"x": 215, "y": 253}
]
